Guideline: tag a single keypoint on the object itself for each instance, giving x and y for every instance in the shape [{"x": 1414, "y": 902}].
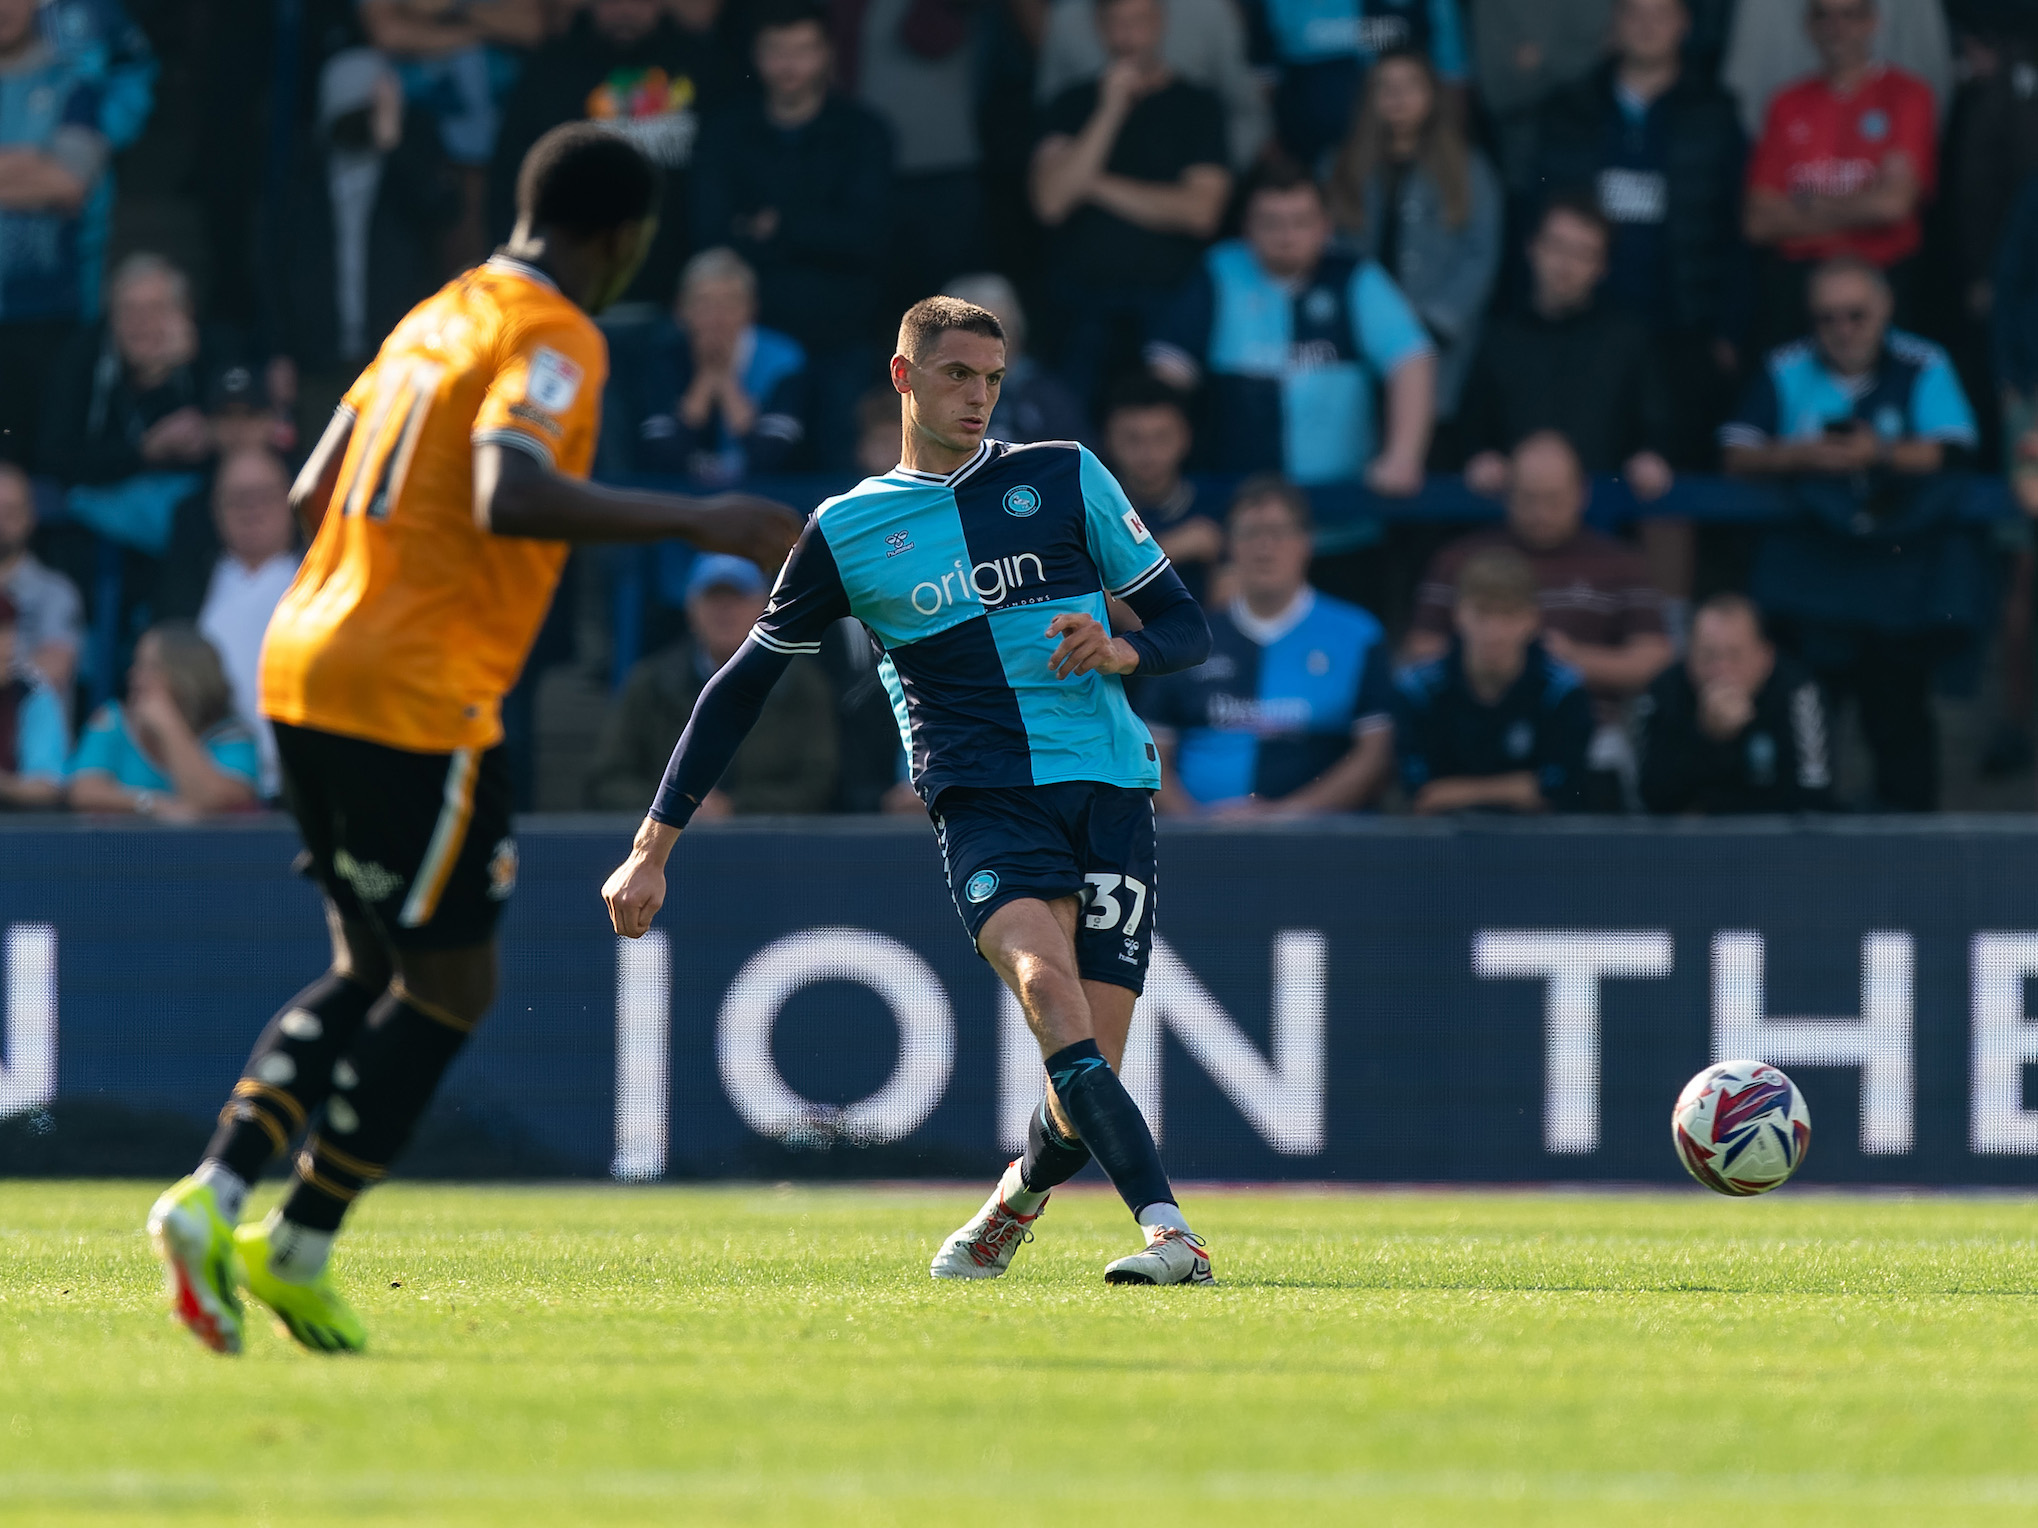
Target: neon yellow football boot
[
  {"x": 196, "y": 1245},
  {"x": 315, "y": 1313}
]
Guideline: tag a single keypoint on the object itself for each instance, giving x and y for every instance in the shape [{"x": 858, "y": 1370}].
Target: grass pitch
[{"x": 776, "y": 1356}]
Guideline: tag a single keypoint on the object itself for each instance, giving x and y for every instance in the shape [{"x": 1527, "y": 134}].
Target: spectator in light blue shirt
[
  {"x": 33, "y": 738},
  {"x": 174, "y": 749}
]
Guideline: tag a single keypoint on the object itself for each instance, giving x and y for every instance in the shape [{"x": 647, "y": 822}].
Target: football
[{"x": 1741, "y": 1127}]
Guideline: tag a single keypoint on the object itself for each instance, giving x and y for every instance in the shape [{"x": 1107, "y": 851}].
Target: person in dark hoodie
[{"x": 631, "y": 65}]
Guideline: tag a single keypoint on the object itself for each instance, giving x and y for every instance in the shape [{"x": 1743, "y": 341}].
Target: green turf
[{"x": 779, "y": 1356}]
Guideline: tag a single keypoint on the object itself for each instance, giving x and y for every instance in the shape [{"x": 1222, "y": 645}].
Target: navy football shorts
[{"x": 1078, "y": 839}]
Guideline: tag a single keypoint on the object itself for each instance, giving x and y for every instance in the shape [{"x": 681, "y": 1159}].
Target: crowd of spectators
[{"x": 1316, "y": 277}]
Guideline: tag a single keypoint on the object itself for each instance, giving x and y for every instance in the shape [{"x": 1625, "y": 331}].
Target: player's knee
[
  {"x": 359, "y": 955},
  {"x": 459, "y": 982}
]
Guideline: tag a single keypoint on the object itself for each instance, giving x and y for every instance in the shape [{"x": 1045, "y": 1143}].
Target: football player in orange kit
[{"x": 441, "y": 500}]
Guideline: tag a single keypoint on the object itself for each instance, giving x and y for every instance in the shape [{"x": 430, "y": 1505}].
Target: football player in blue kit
[{"x": 983, "y": 569}]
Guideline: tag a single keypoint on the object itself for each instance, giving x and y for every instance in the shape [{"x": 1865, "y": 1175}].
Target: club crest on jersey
[
  {"x": 1022, "y": 501},
  {"x": 554, "y": 380},
  {"x": 1874, "y": 124},
  {"x": 502, "y": 871},
  {"x": 982, "y": 886}
]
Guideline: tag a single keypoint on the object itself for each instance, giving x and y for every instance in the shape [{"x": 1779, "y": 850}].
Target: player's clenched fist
[{"x": 636, "y": 890}]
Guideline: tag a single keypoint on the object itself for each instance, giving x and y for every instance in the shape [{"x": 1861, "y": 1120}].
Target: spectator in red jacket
[{"x": 1847, "y": 158}]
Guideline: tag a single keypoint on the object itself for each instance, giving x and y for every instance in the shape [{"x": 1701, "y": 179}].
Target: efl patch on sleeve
[
  {"x": 554, "y": 380},
  {"x": 1137, "y": 526}
]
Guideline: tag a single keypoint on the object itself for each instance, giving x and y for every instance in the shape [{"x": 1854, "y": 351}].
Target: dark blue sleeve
[
  {"x": 774, "y": 441},
  {"x": 722, "y": 718},
  {"x": 807, "y": 599},
  {"x": 1375, "y": 699},
  {"x": 1759, "y": 419},
  {"x": 1173, "y": 633}
]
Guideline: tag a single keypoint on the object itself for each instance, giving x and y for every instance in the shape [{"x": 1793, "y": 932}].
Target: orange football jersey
[{"x": 407, "y": 622}]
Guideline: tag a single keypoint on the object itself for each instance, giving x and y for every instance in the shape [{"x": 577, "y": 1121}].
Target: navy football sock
[
  {"x": 1051, "y": 1159},
  {"x": 1110, "y": 1124}
]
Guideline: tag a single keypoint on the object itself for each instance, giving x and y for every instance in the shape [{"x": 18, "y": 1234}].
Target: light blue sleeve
[
  {"x": 1939, "y": 408},
  {"x": 1122, "y": 547},
  {"x": 101, "y": 745},
  {"x": 1389, "y": 332},
  {"x": 233, "y": 750},
  {"x": 1447, "y": 39},
  {"x": 42, "y": 740}
]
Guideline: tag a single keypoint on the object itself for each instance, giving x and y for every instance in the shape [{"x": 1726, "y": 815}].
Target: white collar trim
[
  {"x": 511, "y": 265},
  {"x": 1267, "y": 630},
  {"x": 947, "y": 479}
]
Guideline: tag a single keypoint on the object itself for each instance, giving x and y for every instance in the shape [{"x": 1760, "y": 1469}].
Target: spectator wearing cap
[
  {"x": 362, "y": 227},
  {"x": 33, "y": 737},
  {"x": 1290, "y": 343},
  {"x": 258, "y": 560},
  {"x": 1844, "y": 165},
  {"x": 1658, "y": 146},
  {"x": 1147, "y": 438},
  {"x": 649, "y": 71},
  {"x": 173, "y": 748},
  {"x": 49, "y": 624},
  {"x": 1734, "y": 728},
  {"x": 1033, "y": 403},
  {"x": 1496, "y": 724},
  {"x": 55, "y": 203},
  {"x": 1289, "y": 715},
  {"x": 1874, "y": 577},
  {"x": 788, "y": 762},
  {"x": 710, "y": 395}
]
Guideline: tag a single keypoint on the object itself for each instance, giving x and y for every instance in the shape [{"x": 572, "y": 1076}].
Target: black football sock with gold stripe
[
  {"x": 288, "y": 1074},
  {"x": 381, "y": 1089}
]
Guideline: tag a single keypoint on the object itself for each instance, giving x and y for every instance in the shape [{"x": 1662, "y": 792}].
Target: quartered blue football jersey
[{"x": 958, "y": 576}]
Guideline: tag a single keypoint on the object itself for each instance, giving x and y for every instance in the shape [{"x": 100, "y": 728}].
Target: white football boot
[
  {"x": 984, "y": 1247},
  {"x": 1172, "y": 1256}
]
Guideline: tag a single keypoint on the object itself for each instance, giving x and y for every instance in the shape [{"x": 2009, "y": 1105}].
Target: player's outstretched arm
[
  {"x": 515, "y": 494},
  {"x": 728, "y": 708}
]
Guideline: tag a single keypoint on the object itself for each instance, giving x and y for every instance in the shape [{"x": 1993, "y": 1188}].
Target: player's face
[
  {"x": 1269, "y": 551},
  {"x": 1727, "y": 649},
  {"x": 950, "y": 393},
  {"x": 1568, "y": 256},
  {"x": 623, "y": 250},
  {"x": 1287, "y": 230},
  {"x": 1649, "y": 31},
  {"x": 1496, "y": 638}
]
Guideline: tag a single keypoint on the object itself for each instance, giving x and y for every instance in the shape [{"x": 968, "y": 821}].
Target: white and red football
[{"x": 1741, "y": 1127}]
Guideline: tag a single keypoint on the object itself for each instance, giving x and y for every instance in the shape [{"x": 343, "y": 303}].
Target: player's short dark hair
[
  {"x": 1498, "y": 578},
  {"x": 585, "y": 180},
  {"x": 1579, "y": 205},
  {"x": 775, "y": 15},
  {"x": 1277, "y": 174},
  {"x": 1143, "y": 391},
  {"x": 931, "y": 317},
  {"x": 1272, "y": 488}
]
